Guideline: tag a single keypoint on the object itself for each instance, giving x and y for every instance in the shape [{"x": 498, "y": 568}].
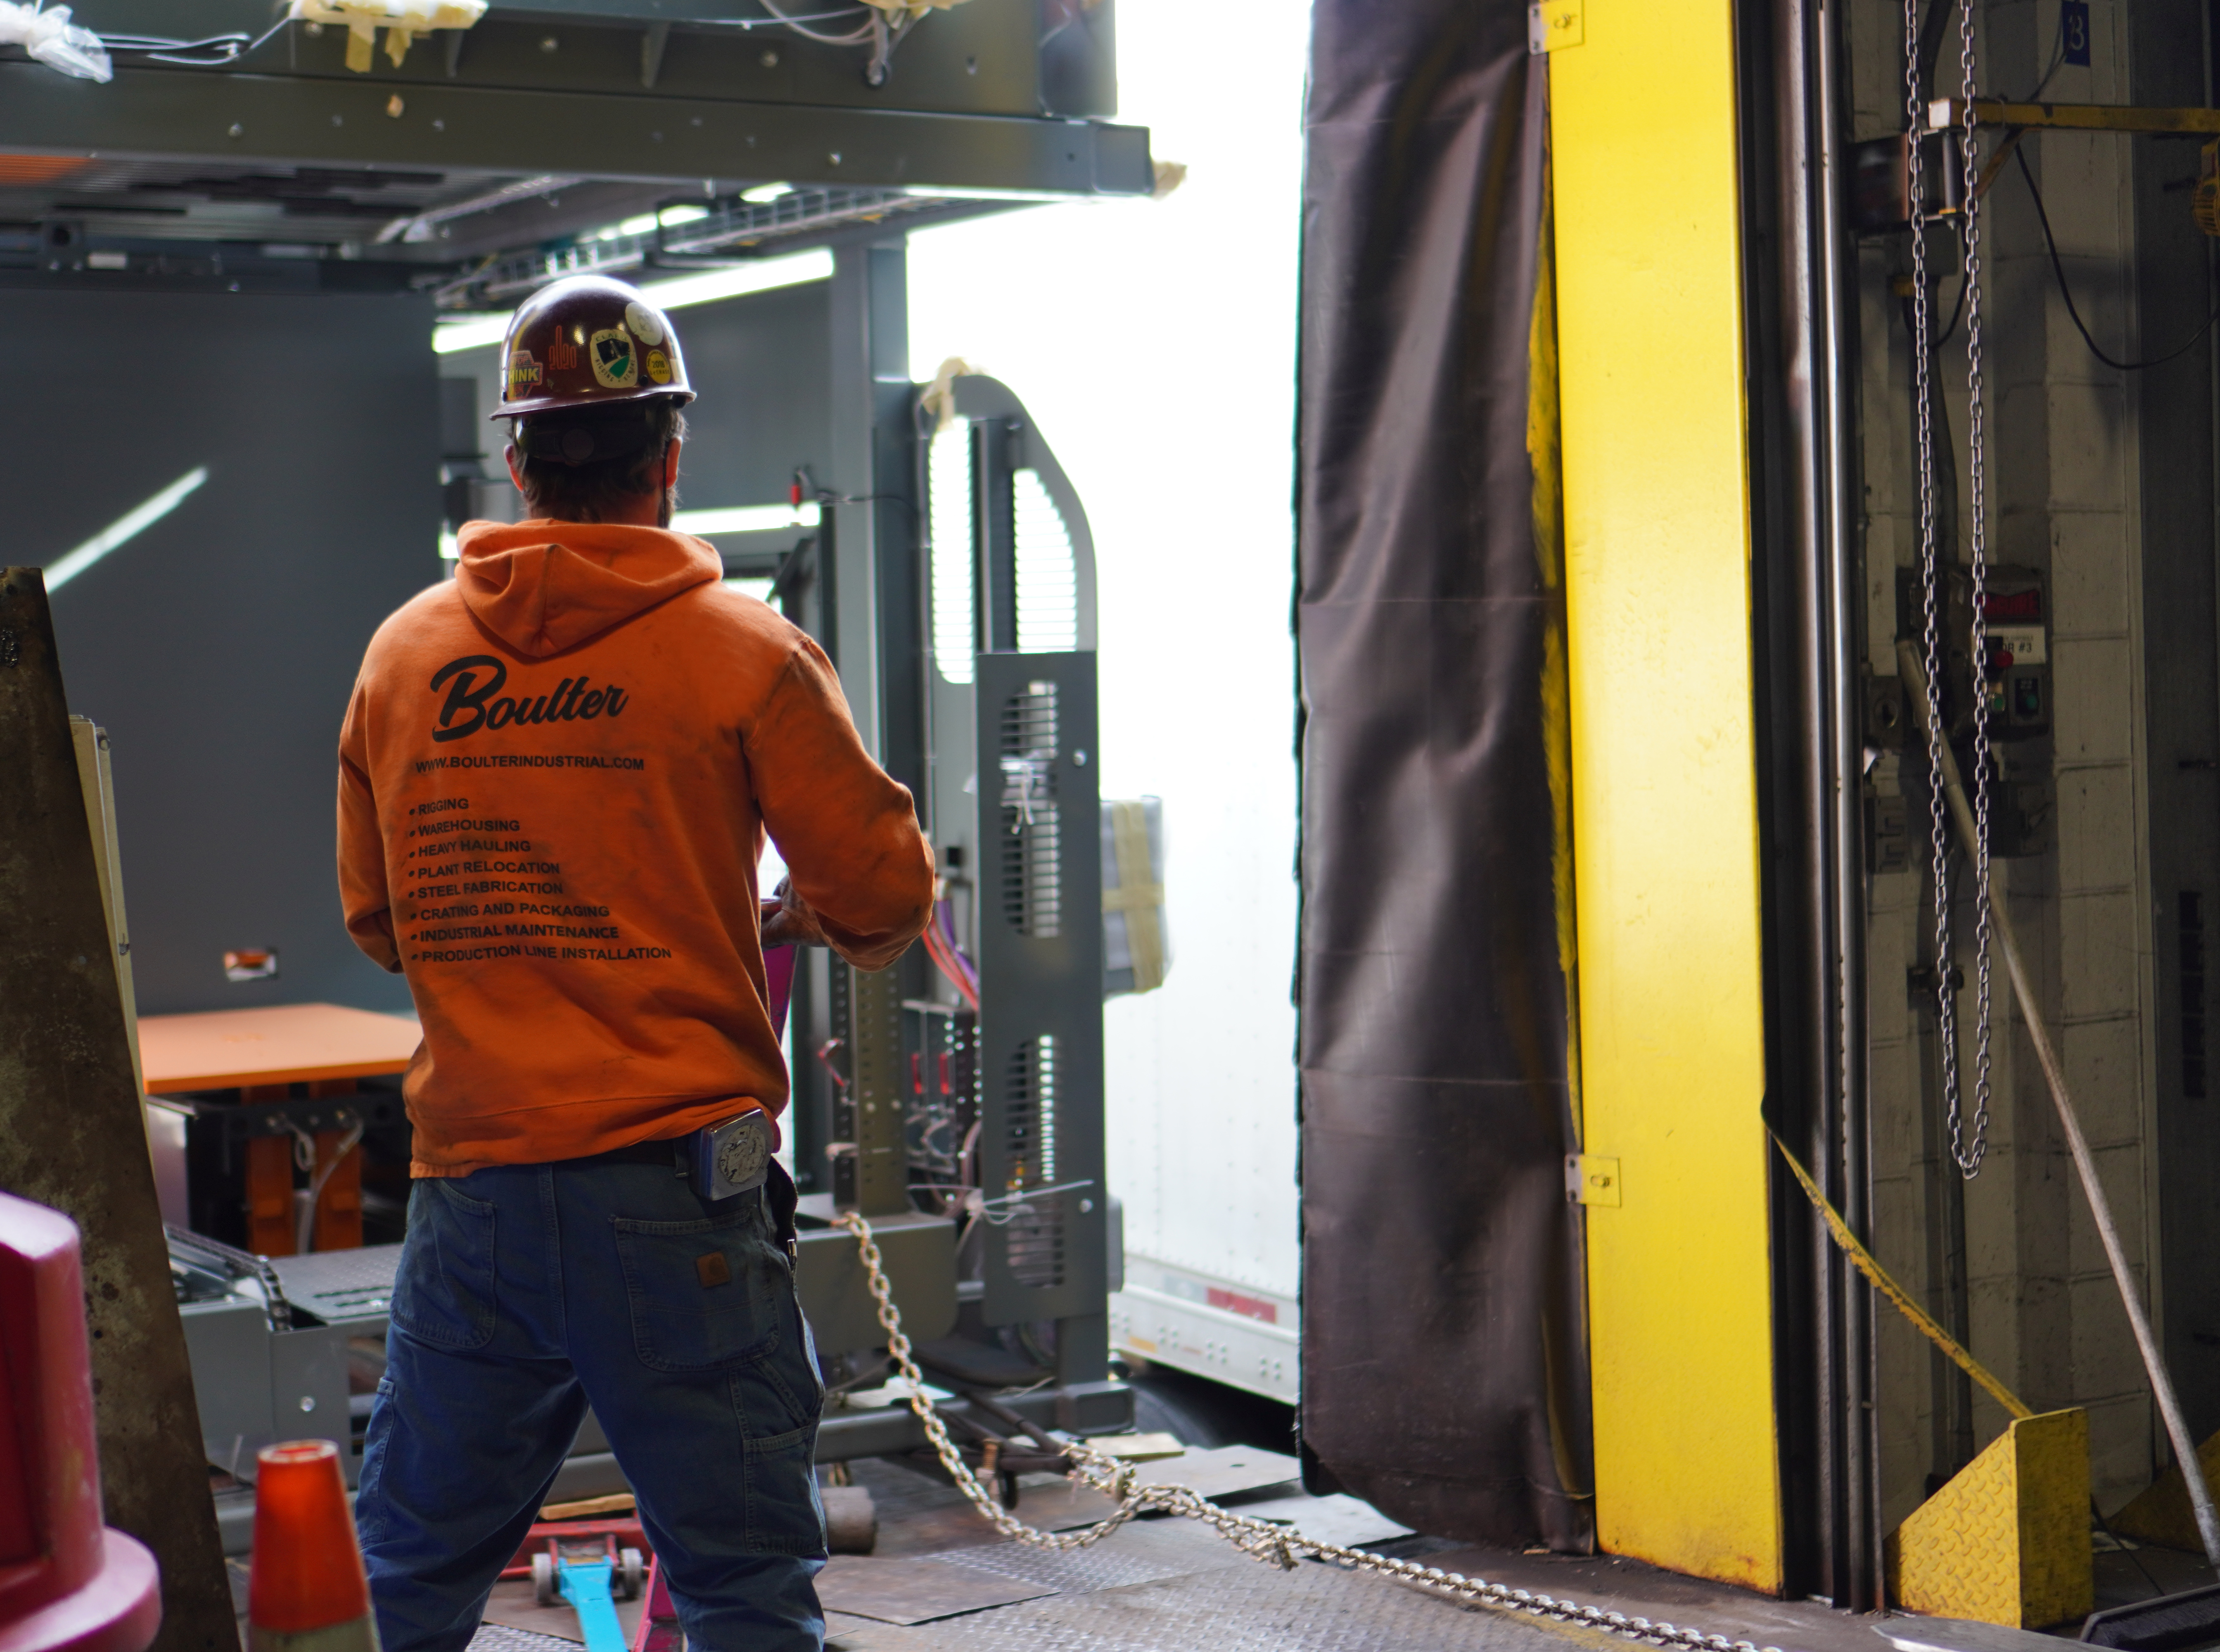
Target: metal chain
[
  {"x": 1946, "y": 1003},
  {"x": 1969, "y": 1156},
  {"x": 1260, "y": 1539}
]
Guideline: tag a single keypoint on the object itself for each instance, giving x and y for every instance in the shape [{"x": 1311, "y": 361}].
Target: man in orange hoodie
[{"x": 556, "y": 776}]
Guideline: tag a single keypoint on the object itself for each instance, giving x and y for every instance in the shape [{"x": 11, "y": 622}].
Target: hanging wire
[{"x": 2058, "y": 269}]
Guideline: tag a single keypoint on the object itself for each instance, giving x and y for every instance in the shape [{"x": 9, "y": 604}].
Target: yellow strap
[
  {"x": 1136, "y": 895},
  {"x": 1865, "y": 1263}
]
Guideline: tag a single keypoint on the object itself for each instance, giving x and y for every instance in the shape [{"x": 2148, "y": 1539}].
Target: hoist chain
[
  {"x": 1968, "y": 1157},
  {"x": 1969, "y": 1154},
  {"x": 1261, "y": 1539}
]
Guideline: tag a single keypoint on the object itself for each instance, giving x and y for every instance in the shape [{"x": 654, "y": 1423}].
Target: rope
[{"x": 1260, "y": 1539}]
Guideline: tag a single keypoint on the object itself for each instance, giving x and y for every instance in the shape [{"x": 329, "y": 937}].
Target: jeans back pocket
[
  {"x": 442, "y": 1293},
  {"x": 700, "y": 1291}
]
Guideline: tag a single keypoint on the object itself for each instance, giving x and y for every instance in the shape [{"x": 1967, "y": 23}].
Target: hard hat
[{"x": 588, "y": 341}]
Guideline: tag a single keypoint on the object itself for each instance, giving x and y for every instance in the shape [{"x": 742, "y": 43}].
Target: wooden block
[{"x": 338, "y": 1213}]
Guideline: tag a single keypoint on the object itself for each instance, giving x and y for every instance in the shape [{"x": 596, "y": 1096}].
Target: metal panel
[
  {"x": 1663, "y": 785},
  {"x": 218, "y": 647},
  {"x": 878, "y": 1085},
  {"x": 828, "y": 1276},
  {"x": 1040, "y": 968},
  {"x": 287, "y": 120}
]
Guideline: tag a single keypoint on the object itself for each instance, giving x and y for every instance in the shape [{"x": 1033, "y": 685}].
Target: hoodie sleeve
[
  {"x": 857, "y": 864},
  {"x": 363, "y": 895}
]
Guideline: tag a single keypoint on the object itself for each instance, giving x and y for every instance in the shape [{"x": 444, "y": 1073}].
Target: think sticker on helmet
[
  {"x": 523, "y": 372},
  {"x": 616, "y": 365}
]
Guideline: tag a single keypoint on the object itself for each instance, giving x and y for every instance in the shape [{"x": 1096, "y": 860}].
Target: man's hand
[{"x": 787, "y": 922}]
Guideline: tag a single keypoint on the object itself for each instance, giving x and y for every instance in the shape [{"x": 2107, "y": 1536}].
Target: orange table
[{"x": 258, "y": 1052}]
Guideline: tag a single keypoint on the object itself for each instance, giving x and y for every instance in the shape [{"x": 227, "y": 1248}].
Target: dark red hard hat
[{"x": 587, "y": 341}]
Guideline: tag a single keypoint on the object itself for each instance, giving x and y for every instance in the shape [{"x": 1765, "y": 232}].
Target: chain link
[
  {"x": 1946, "y": 1005},
  {"x": 1276, "y": 1545},
  {"x": 1967, "y": 1157}
]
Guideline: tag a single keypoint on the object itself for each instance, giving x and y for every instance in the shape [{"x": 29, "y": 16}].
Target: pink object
[
  {"x": 659, "y": 1630},
  {"x": 778, "y": 971},
  {"x": 67, "y": 1583}
]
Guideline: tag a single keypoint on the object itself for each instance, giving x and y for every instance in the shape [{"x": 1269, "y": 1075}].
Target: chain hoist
[
  {"x": 1263, "y": 1540},
  {"x": 1967, "y": 1153}
]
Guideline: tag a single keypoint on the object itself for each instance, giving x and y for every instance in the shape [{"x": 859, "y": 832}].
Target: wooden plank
[
  {"x": 71, "y": 1137},
  {"x": 284, "y": 1043}
]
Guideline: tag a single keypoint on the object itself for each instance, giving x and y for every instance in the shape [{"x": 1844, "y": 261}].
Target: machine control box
[{"x": 2014, "y": 672}]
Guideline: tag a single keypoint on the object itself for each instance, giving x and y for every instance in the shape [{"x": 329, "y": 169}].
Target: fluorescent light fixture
[
  {"x": 756, "y": 275},
  {"x": 745, "y": 519},
  {"x": 638, "y": 226},
  {"x": 469, "y": 332},
  {"x": 766, "y": 192},
  {"x": 123, "y": 529},
  {"x": 682, "y": 214},
  {"x": 450, "y": 548}
]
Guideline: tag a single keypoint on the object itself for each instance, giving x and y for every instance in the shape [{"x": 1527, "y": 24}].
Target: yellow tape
[{"x": 1863, "y": 1259}]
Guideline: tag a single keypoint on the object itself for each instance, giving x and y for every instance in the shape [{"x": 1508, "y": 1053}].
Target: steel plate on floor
[{"x": 915, "y": 1590}]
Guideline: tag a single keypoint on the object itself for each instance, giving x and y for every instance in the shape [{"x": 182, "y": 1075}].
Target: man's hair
[{"x": 590, "y": 491}]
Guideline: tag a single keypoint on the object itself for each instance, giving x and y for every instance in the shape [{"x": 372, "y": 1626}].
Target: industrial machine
[{"x": 927, "y": 537}]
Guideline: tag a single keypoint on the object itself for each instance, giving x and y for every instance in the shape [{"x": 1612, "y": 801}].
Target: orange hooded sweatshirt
[{"x": 555, "y": 779}]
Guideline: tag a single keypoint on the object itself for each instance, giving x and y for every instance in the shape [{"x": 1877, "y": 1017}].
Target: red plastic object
[
  {"x": 659, "y": 1630},
  {"x": 624, "y": 1529},
  {"x": 779, "y": 962},
  {"x": 67, "y": 1583},
  {"x": 308, "y": 1568}
]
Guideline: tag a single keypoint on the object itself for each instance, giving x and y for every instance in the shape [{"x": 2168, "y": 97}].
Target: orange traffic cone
[{"x": 307, "y": 1592}]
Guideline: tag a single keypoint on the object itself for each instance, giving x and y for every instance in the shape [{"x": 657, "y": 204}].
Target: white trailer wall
[{"x": 1155, "y": 342}]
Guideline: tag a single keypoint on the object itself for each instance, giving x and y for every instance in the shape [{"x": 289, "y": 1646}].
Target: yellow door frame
[{"x": 1655, "y": 455}]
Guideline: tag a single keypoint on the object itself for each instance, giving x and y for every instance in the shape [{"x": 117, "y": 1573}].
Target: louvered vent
[
  {"x": 1033, "y": 871},
  {"x": 948, "y": 486},
  {"x": 1034, "y": 1235}
]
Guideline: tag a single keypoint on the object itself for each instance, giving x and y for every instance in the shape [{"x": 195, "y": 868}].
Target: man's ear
[
  {"x": 671, "y": 466},
  {"x": 516, "y": 470}
]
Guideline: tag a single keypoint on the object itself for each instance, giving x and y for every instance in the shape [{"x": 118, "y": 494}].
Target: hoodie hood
[{"x": 544, "y": 586}]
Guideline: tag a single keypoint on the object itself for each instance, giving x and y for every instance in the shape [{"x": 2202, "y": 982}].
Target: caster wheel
[
  {"x": 543, "y": 1581},
  {"x": 631, "y": 1573}
]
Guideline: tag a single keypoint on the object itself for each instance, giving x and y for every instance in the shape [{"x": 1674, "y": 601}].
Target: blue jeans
[{"x": 527, "y": 1293}]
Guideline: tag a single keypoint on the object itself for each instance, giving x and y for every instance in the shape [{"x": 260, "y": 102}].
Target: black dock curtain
[{"x": 1443, "y": 1344}]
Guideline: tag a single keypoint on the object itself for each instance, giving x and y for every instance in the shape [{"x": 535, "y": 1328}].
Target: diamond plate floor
[{"x": 1172, "y": 1586}]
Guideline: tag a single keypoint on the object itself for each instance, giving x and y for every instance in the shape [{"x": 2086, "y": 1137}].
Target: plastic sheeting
[{"x": 1444, "y": 1360}]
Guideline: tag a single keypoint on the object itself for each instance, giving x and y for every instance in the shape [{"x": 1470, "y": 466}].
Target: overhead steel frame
[{"x": 984, "y": 96}]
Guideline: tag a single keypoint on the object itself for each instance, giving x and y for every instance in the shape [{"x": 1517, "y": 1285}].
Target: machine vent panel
[
  {"x": 1032, "y": 870},
  {"x": 948, "y": 486},
  {"x": 1033, "y": 1232},
  {"x": 1048, "y": 572}
]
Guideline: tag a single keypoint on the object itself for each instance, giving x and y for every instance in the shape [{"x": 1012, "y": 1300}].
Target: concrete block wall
[{"x": 2036, "y": 1302}]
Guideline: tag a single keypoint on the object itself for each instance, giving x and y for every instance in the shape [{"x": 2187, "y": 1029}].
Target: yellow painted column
[{"x": 1664, "y": 784}]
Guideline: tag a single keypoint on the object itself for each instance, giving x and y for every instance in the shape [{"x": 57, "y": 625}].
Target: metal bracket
[
  {"x": 1591, "y": 1179},
  {"x": 1551, "y": 24}
]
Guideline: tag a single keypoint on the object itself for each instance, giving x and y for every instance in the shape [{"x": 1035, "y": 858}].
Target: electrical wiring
[
  {"x": 2058, "y": 269},
  {"x": 857, "y": 37}
]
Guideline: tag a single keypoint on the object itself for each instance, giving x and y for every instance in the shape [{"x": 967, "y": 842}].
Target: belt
[{"x": 668, "y": 1152}]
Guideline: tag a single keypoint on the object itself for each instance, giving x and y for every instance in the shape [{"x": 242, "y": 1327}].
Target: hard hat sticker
[
  {"x": 645, "y": 324},
  {"x": 562, "y": 354},
  {"x": 523, "y": 372},
  {"x": 616, "y": 366},
  {"x": 658, "y": 367}
]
